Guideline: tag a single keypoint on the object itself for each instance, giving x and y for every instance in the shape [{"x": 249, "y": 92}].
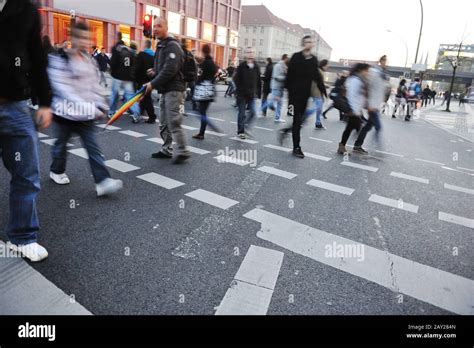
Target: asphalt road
[{"x": 189, "y": 249}]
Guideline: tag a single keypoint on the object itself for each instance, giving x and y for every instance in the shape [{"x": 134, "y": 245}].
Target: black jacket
[
  {"x": 301, "y": 73},
  {"x": 102, "y": 61},
  {"x": 267, "y": 78},
  {"x": 248, "y": 81},
  {"x": 23, "y": 61},
  {"x": 120, "y": 68},
  {"x": 209, "y": 70},
  {"x": 144, "y": 62},
  {"x": 169, "y": 60}
]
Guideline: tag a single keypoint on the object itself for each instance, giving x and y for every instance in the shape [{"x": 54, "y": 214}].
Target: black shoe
[
  {"x": 320, "y": 126},
  {"x": 407, "y": 118},
  {"x": 324, "y": 116},
  {"x": 298, "y": 153},
  {"x": 162, "y": 155},
  {"x": 360, "y": 150},
  {"x": 181, "y": 158},
  {"x": 393, "y": 116},
  {"x": 151, "y": 121},
  {"x": 198, "y": 136}
]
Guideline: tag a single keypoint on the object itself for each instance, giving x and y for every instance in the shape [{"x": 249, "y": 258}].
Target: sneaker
[
  {"x": 360, "y": 150},
  {"x": 407, "y": 118},
  {"x": 151, "y": 121},
  {"x": 33, "y": 251},
  {"x": 280, "y": 121},
  {"x": 135, "y": 119},
  {"x": 320, "y": 126},
  {"x": 161, "y": 154},
  {"x": 60, "y": 179},
  {"x": 108, "y": 186},
  {"x": 242, "y": 135},
  {"x": 198, "y": 136},
  {"x": 298, "y": 153},
  {"x": 181, "y": 158},
  {"x": 109, "y": 116},
  {"x": 341, "y": 150}
]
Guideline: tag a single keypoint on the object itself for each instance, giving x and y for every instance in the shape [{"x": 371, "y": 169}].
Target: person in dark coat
[
  {"x": 103, "y": 61},
  {"x": 145, "y": 61},
  {"x": 267, "y": 79}
]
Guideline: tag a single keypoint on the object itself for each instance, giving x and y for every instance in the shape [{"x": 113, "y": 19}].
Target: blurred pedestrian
[
  {"x": 400, "y": 98},
  {"x": 426, "y": 96},
  {"x": 103, "y": 61},
  {"x": 145, "y": 61},
  {"x": 335, "y": 92},
  {"x": 317, "y": 96},
  {"x": 267, "y": 79},
  {"x": 278, "y": 87},
  {"x": 414, "y": 95}
]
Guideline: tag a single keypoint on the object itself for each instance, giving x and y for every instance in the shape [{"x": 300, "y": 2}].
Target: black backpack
[{"x": 190, "y": 68}]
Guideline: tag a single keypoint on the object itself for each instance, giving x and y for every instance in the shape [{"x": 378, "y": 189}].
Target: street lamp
[
  {"x": 406, "y": 45},
  {"x": 419, "y": 36}
]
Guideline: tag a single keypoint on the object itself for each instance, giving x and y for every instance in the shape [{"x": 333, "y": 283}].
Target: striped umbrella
[{"x": 126, "y": 106}]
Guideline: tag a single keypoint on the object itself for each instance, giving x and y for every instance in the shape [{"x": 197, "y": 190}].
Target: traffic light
[{"x": 147, "y": 29}]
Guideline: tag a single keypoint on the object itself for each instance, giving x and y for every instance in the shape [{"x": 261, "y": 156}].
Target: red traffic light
[{"x": 147, "y": 18}]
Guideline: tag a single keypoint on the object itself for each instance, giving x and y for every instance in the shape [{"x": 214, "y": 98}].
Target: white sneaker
[
  {"x": 280, "y": 121},
  {"x": 60, "y": 179},
  {"x": 33, "y": 251},
  {"x": 108, "y": 186}
]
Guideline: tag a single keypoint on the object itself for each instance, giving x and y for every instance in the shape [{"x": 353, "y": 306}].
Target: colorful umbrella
[{"x": 126, "y": 106}]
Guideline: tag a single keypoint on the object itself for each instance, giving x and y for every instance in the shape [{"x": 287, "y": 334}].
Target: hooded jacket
[
  {"x": 169, "y": 60},
  {"x": 145, "y": 60},
  {"x": 23, "y": 60}
]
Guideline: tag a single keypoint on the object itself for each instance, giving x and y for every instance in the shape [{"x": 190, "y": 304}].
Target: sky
[{"x": 357, "y": 29}]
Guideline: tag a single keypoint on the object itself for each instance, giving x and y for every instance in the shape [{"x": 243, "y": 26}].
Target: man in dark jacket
[
  {"x": 103, "y": 61},
  {"x": 23, "y": 65},
  {"x": 169, "y": 81},
  {"x": 303, "y": 70},
  {"x": 267, "y": 79},
  {"x": 145, "y": 62},
  {"x": 121, "y": 69},
  {"x": 249, "y": 85}
]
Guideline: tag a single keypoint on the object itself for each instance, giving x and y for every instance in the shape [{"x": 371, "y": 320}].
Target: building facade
[
  {"x": 213, "y": 22},
  {"x": 272, "y": 37},
  {"x": 448, "y": 52}
]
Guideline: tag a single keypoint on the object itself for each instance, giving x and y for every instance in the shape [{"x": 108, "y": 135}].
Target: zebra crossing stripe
[
  {"x": 160, "y": 180},
  {"x": 213, "y": 199},
  {"x": 120, "y": 166}
]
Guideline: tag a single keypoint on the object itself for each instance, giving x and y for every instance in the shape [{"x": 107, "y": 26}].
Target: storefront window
[
  {"x": 174, "y": 23},
  {"x": 208, "y": 32},
  {"x": 191, "y": 27}
]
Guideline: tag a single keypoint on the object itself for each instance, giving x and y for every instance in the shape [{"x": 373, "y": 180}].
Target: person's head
[
  {"x": 80, "y": 36},
  {"x": 119, "y": 36},
  {"x": 344, "y": 73},
  {"x": 147, "y": 43},
  {"x": 133, "y": 45},
  {"x": 160, "y": 29},
  {"x": 285, "y": 58},
  {"x": 206, "y": 50},
  {"x": 383, "y": 61},
  {"x": 308, "y": 43},
  {"x": 361, "y": 69},
  {"x": 249, "y": 54},
  {"x": 46, "y": 42},
  {"x": 323, "y": 64},
  {"x": 102, "y": 50},
  {"x": 269, "y": 60},
  {"x": 417, "y": 79},
  {"x": 184, "y": 43},
  {"x": 427, "y": 86},
  {"x": 403, "y": 82}
]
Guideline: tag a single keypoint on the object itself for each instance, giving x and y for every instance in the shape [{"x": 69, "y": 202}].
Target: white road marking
[
  {"x": 248, "y": 141},
  {"x": 51, "y": 142},
  {"x": 81, "y": 152},
  {"x": 233, "y": 122},
  {"x": 458, "y": 188},
  {"x": 156, "y": 140},
  {"x": 254, "y": 283},
  {"x": 470, "y": 170},
  {"x": 104, "y": 126},
  {"x": 160, "y": 180},
  {"x": 359, "y": 166},
  {"x": 331, "y": 187},
  {"x": 318, "y": 157},
  {"x": 133, "y": 134},
  {"x": 197, "y": 150},
  {"x": 322, "y": 140},
  {"x": 42, "y": 135},
  {"x": 122, "y": 167},
  {"x": 188, "y": 127},
  {"x": 216, "y": 133},
  {"x": 389, "y": 153},
  {"x": 454, "y": 219},
  {"x": 398, "y": 204},
  {"x": 458, "y": 171},
  {"x": 216, "y": 119},
  {"x": 422, "y": 160},
  {"x": 428, "y": 284},
  {"x": 409, "y": 177},
  {"x": 277, "y": 172},
  {"x": 233, "y": 160},
  {"x": 263, "y": 128},
  {"x": 213, "y": 199},
  {"x": 275, "y": 147}
]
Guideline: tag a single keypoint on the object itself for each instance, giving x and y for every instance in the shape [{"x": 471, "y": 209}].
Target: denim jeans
[
  {"x": 318, "y": 108},
  {"x": 242, "y": 119},
  {"x": 374, "y": 121},
  {"x": 63, "y": 131},
  {"x": 129, "y": 92},
  {"x": 19, "y": 151},
  {"x": 276, "y": 97}
]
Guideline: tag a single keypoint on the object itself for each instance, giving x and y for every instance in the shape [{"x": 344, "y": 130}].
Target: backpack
[
  {"x": 340, "y": 101},
  {"x": 190, "y": 68},
  {"x": 414, "y": 89}
]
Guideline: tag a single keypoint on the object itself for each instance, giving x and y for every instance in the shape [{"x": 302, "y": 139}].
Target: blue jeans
[
  {"x": 242, "y": 119},
  {"x": 318, "y": 108},
  {"x": 374, "y": 121},
  {"x": 276, "y": 97},
  {"x": 19, "y": 150},
  {"x": 129, "y": 92},
  {"x": 85, "y": 130}
]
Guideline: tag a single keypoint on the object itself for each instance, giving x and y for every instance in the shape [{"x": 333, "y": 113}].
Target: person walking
[
  {"x": 433, "y": 96},
  {"x": 168, "y": 79},
  {"x": 446, "y": 96},
  {"x": 231, "y": 86},
  {"x": 103, "y": 61},
  {"x": 303, "y": 70},
  {"x": 21, "y": 27},
  {"x": 379, "y": 87},
  {"x": 77, "y": 103},
  {"x": 277, "y": 86},
  {"x": 426, "y": 96},
  {"x": 356, "y": 93},
  {"x": 400, "y": 98},
  {"x": 205, "y": 83},
  {"x": 414, "y": 94},
  {"x": 145, "y": 62},
  {"x": 121, "y": 66},
  {"x": 249, "y": 87},
  {"x": 335, "y": 92},
  {"x": 267, "y": 79},
  {"x": 317, "y": 96},
  {"x": 191, "y": 82}
]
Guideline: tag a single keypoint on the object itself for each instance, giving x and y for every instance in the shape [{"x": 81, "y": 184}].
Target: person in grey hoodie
[
  {"x": 277, "y": 86},
  {"x": 379, "y": 88}
]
